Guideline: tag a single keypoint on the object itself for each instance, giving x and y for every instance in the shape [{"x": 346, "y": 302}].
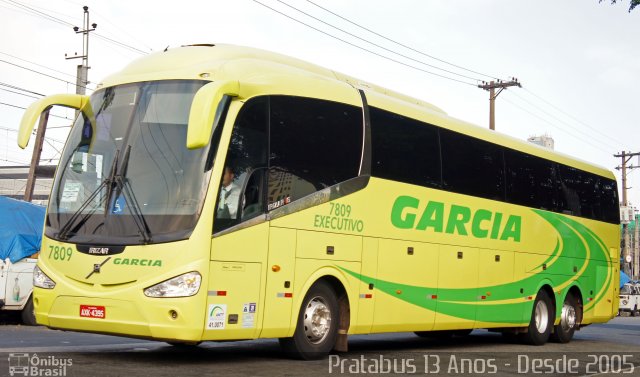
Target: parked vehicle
[
  {"x": 16, "y": 287},
  {"x": 630, "y": 299},
  {"x": 21, "y": 226}
]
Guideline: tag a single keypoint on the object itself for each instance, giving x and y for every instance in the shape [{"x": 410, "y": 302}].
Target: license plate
[{"x": 90, "y": 311}]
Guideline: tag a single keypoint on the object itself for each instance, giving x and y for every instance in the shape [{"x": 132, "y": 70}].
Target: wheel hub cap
[
  {"x": 542, "y": 316},
  {"x": 568, "y": 317},
  {"x": 317, "y": 320}
]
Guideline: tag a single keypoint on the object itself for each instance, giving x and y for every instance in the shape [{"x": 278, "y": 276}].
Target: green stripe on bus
[{"x": 458, "y": 302}]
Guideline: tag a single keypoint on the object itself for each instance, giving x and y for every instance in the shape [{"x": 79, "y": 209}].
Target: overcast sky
[{"x": 578, "y": 60}]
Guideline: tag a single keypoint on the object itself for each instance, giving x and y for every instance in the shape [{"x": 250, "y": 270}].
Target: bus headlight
[
  {"x": 625, "y": 302},
  {"x": 41, "y": 280},
  {"x": 180, "y": 286}
]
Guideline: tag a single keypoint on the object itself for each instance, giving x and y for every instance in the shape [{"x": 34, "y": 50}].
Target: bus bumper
[{"x": 170, "y": 319}]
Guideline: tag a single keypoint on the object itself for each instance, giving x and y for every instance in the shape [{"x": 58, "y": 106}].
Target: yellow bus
[{"x": 216, "y": 192}]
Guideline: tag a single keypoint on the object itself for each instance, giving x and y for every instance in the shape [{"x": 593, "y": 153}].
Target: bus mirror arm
[
  {"x": 74, "y": 101},
  {"x": 205, "y": 111}
]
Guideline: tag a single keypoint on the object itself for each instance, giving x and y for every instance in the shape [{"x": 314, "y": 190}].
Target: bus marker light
[
  {"x": 217, "y": 293},
  {"x": 366, "y": 295},
  {"x": 399, "y": 292},
  {"x": 285, "y": 295},
  {"x": 275, "y": 268},
  {"x": 434, "y": 297}
]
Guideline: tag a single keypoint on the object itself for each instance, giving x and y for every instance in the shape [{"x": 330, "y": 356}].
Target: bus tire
[
  {"x": 542, "y": 319},
  {"x": 317, "y": 325},
  {"x": 28, "y": 313},
  {"x": 569, "y": 320}
]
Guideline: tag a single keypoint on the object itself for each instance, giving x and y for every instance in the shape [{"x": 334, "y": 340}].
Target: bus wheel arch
[
  {"x": 317, "y": 323},
  {"x": 571, "y": 314}
]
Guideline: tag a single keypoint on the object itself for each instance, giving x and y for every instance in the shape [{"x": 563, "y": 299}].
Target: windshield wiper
[
  {"x": 121, "y": 184},
  {"x": 107, "y": 182},
  {"x": 124, "y": 186}
]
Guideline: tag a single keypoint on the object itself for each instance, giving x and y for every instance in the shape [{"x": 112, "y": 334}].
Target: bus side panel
[
  {"x": 603, "y": 295},
  {"x": 278, "y": 302},
  {"x": 495, "y": 282},
  {"x": 458, "y": 270},
  {"x": 367, "y": 291},
  {"x": 406, "y": 270}
]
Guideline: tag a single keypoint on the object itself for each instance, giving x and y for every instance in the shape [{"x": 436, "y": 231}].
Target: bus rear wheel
[
  {"x": 569, "y": 320},
  {"x": 542, "y": 319},
  {"x": 317, "y": 325}
]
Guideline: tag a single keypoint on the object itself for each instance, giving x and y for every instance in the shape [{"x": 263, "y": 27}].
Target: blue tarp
[
  {"x": 624, "y": 279},
  {"x": 21, "y": 226}
]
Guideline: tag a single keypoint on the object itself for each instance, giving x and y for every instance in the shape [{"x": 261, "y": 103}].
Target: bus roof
[{"x": 213, "y": 62}]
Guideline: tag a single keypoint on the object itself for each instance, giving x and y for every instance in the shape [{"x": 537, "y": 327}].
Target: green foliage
[{"x": 634, "y": 3}]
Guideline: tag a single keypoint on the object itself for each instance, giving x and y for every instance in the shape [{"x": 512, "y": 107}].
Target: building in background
[
  {"x": 542, "y": 140},
  {"x": 13, "y": 181}
]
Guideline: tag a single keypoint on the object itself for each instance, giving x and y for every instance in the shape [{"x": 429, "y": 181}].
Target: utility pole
[
  {"x": 626, "y": 251},
  {"x": 636, "y": 249},
  {"x": 81, "y": 85},
  {"x": 83, "y": 69},
  {"x": 491, "y": 87}
]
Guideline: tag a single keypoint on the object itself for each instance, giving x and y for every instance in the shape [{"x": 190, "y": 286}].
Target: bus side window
[
  {"x": 395, "y": 155},
  {"x": 472, "y": 166},
  {"x": 246, "y": 161},
  {"x": 314, "y": 144},
  {"x": 531, "y": 181}
]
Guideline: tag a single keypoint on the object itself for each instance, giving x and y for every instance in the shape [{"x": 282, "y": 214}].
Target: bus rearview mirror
[
  {"x": 203, "y": 111},
  {"x": 75, "y": 101}
]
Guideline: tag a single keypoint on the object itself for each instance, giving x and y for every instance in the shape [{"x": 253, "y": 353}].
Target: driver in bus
[{"x": 229, "y": 195}]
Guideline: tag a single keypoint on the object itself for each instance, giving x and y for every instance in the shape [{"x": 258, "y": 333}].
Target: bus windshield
[{"x": 126, "y": 164}]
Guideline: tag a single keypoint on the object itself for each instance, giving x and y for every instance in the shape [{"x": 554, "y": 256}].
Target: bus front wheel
[
  {"x": 542, "y": 319},
  {"x": 317, "y": 325}
]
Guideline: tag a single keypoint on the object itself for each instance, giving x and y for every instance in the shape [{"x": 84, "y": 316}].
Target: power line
[
  {"x": 18, "y": 93},
  {"x": 363, "y": 48},
  {"x": 121, "y": 44},
  {"x": 36, "y": 12},
  {"x": 22, "y": 89},
  {"x": 377, "y": 45},
  {"x": 618, "y": 142},
  {"x": 46, "y": 137},
  {"x": 36, "y": 64},
  {"x": 555, "y": 126},
  {"x": 24, "y": 108},
  {"x": 123, "y": 30},
  {"x": 562, "y": 121},
  {"x": 41, "y": 73},
  {"x": 398, "y": 43}
]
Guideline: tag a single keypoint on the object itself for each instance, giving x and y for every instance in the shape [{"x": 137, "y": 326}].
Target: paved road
[{"x": 98, "y": 355}]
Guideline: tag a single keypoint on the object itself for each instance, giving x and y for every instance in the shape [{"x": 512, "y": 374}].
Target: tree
[{"x": 634, "y": 3}]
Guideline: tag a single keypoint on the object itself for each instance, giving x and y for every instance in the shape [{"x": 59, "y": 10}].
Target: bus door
[{"x": 240, "y": 242}]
